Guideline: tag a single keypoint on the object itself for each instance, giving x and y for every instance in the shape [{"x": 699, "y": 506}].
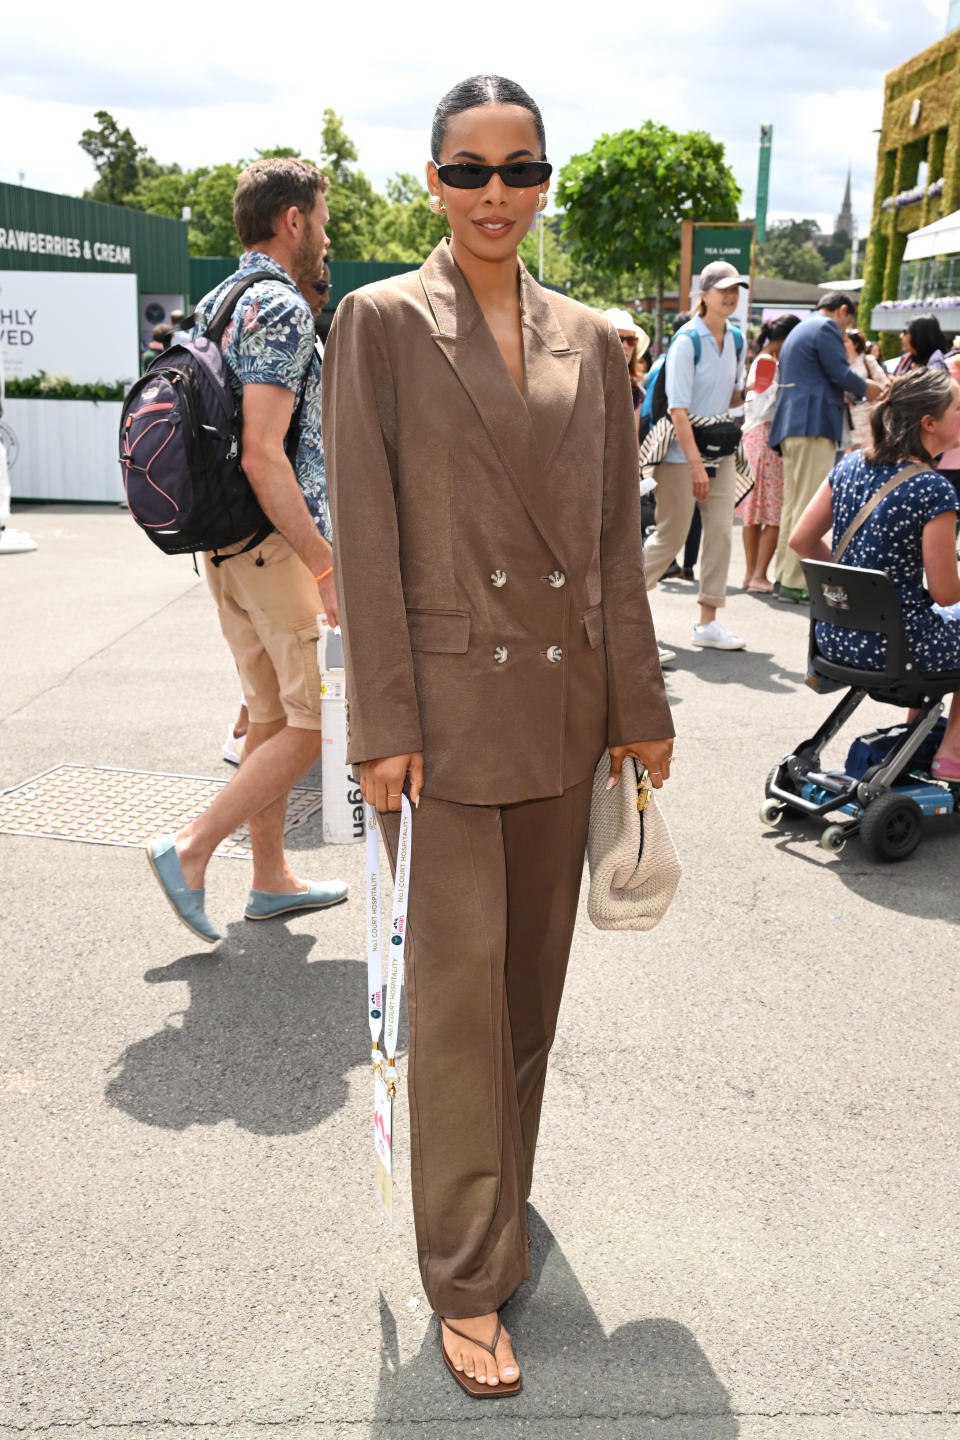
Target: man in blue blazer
[{"x": 808, "y": 421}]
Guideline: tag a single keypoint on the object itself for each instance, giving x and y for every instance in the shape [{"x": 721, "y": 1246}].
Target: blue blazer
[{"x": 814, "y": 373}]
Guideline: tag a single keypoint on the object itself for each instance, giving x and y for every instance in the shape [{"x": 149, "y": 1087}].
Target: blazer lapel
[
  {"x": 523, "y": 445},
  {"x": 551, "y": 370}
]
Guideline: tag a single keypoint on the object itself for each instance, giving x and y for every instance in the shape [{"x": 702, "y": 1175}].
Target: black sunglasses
[
  {"x": 322, "y": 287},
  {"x": 519, "y": 174}
]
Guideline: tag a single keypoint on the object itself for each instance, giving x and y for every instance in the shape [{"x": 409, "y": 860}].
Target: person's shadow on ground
[
  {"x": 574, "y": 1375},
  {"x": 266, "y": 1041}
]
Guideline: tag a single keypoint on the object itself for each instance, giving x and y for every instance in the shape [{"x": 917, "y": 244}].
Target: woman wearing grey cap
[{"x": 704, "y": 378}]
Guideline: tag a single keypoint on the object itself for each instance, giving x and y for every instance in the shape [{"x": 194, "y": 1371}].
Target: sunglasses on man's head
[{"x": 519, "y": 174}]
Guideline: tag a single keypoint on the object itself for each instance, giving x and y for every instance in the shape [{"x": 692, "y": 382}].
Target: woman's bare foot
[
  {"x": 761, "y": 586},
  {"x": 473, "y": 1360}
]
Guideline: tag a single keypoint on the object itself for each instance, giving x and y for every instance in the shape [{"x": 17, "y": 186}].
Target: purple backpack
[{"x": 180, "y": 432}]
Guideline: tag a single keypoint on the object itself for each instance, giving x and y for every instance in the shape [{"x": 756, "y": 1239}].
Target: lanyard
[{"x": 387, "y": 999}]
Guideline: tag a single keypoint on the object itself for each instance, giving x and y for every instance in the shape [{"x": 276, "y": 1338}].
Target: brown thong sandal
[{"x": 474, "y": 1387}]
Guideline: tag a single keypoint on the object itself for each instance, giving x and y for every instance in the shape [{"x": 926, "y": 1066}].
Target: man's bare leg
[
  {"x": 270, "y": 869},
  {"x": 277, "y": 756}
]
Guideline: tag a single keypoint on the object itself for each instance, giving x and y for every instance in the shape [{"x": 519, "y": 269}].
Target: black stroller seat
[{"x": 888, "y": 819}]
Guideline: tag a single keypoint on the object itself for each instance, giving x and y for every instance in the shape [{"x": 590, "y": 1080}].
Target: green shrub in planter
[{"x": 59, "y": 387}]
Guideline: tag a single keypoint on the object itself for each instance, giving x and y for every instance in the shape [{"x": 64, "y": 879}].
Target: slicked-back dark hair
[{"x": 482, "y": 90}]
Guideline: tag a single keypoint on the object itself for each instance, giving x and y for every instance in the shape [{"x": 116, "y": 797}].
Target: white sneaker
[
  {"x": 233, "y": 747},
  {"x": 665, "y": 653},
  {"x": 715, "y": 637},
  {"x": 16, "y": 542}
]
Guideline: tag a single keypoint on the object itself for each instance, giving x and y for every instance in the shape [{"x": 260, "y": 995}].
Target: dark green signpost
[
  {"x": 733, "y": 243},
  {"x": 763, "y": 181}
]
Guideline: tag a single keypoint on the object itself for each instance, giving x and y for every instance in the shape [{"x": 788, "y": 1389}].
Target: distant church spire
[{"x": 844, "y": 220}]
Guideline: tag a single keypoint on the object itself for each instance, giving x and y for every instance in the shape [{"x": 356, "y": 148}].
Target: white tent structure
[
  {"x": 940, "y": 238},
  {"x": 929, "y": 278}
]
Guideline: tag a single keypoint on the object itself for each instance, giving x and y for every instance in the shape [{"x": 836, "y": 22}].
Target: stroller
[{"x": 886, "y": 804}]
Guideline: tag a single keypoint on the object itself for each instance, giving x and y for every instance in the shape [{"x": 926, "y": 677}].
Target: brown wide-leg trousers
[{"x": 493, "y": 900}]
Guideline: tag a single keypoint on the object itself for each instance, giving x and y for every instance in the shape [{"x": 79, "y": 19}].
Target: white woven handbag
[{"x": 634, "y": 866}]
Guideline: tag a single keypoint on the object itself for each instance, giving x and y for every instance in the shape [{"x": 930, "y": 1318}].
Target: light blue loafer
[
  {"x": 187, "y": 904},
  {"x": 264, "y": 904}
]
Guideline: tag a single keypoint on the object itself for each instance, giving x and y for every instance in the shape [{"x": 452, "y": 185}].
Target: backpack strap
[
  {"x": 222, "y": 315},
  {"x": 863, "y": 515},
  {"x": 693, "y": 335}
]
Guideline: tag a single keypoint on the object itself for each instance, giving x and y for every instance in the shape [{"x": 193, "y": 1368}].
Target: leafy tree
[
  {"x": 841, "y": 271},
  {"x": 789, "y": 252},
  {"x": 356, "y": 209},
  {"x": 208, "y": 193},
  {"x": 557, "y": 265},
  {"x": 834, "y": 249},
  {"x": 212, "y": 230},
  {"x": 119, "y": 161},
  {"x": 626, "y": 198},
  {"x": 407, "y": 228}
]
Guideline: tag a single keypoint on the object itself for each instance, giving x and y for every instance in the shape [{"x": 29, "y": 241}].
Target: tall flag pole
[{"x": 763, "y": 181}]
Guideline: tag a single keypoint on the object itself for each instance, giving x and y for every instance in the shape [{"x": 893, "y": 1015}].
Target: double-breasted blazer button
[
  {"x": 498, "y": 578},
  {"x": 555, "y": 654},
  {"x": 500, "y": 654},
  {"x": 556, "y": 578}
]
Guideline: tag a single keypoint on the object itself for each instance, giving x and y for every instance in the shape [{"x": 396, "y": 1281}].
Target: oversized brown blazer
[{"x": 487, "y": 543}]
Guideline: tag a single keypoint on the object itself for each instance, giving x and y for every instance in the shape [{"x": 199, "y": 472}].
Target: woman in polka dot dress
[{"x": 911, "y": 531}]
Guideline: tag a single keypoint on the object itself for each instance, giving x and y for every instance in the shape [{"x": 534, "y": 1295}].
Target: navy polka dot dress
[{"x": 891, "y": 540}]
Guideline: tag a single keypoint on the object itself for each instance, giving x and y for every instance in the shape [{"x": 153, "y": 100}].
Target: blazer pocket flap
[
  {"x": 445, "y": 632},
  {"x": 593, "y": 624}
]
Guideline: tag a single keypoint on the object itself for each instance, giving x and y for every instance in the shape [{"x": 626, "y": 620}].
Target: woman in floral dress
[{"x": 760, "y": 507}]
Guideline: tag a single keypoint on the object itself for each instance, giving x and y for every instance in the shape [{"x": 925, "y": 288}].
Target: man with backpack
[
  {"x": 703, "y": 378},
  {"x": 270, "y": 584}
]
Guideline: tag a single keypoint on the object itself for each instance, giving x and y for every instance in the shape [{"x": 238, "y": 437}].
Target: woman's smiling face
[{"x": 489, "y": 223}]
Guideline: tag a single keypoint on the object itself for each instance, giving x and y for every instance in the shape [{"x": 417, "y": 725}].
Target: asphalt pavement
[{"x": 744, "y": 1214}]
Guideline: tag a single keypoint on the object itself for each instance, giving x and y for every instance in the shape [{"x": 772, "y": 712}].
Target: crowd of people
[
  {"x": 466, "y": 503},
  {"x": 805, "y": 392}
]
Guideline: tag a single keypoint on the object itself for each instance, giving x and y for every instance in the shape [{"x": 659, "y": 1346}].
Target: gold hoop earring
[
  {"x": 437, "y": 205},
  {"x": 541, "y": 201}
]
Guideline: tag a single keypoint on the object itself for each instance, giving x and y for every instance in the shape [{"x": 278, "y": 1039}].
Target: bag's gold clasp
[{"x": 643, "y": 792}]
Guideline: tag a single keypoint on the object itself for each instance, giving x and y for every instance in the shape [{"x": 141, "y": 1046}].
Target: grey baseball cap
[{"x": 721, "y": 275}]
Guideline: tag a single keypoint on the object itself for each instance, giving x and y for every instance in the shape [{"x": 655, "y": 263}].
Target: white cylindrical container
[{"x": 342, "y": 800}]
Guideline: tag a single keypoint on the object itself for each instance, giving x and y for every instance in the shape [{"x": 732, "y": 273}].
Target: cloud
[{"x": 708, "y": 64}]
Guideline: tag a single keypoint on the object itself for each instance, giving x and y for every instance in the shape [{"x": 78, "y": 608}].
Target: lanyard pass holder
[{"x": 384, "y": 999}]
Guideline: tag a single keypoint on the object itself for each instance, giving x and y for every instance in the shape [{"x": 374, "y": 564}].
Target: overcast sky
[{"x": 199, "y": 89}]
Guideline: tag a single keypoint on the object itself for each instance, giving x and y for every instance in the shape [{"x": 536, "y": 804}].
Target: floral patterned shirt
[{"x": 271, "y": 341}]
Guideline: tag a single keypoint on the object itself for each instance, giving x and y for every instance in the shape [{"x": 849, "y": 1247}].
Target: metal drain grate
[{"x": 124, "y": 807}]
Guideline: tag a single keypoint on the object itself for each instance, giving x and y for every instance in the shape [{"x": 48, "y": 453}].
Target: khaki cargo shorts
[{"x": 267, "y": 601}]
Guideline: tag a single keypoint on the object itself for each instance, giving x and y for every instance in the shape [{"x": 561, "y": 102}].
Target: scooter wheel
[
  {"x": 833, "y": 839},
  {"x": 892, "y": 826},
  {"x": 771, "y": 812}
]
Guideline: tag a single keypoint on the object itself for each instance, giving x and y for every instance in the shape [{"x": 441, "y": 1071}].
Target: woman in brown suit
[{"x": 482, "y": 467}]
